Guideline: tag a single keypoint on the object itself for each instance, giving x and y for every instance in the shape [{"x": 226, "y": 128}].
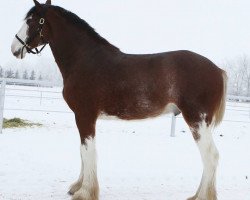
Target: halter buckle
[
  {"x": 40, "y": 33},
  {"x": 41, "y": 21}
]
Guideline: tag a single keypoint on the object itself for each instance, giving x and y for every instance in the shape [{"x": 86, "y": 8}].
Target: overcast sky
[{"x": 217, "y": 29}]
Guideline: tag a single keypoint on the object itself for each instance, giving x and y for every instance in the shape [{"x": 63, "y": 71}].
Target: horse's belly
[{"x": 140, "y": 111}]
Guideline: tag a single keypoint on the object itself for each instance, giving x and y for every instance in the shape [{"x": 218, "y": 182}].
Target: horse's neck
[{"x": 72, "y": 46}]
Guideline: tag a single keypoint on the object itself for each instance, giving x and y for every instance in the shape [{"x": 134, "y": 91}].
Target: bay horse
[{"x": 99, "y": 79}]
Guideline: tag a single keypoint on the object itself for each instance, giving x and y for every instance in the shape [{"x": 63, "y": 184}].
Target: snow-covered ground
[{"x": 137, "y": 160}]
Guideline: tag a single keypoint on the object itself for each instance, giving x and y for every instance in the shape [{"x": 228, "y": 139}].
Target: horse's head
[{"x": 34, "y": 31}]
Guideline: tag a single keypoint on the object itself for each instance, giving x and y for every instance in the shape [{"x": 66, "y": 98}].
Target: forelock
[
  {"x": 30, "y": 12},
  {"x": 33, "y": 11}
]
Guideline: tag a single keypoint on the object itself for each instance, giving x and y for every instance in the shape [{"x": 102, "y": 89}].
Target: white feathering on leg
[{"x": 89, "y": 189}]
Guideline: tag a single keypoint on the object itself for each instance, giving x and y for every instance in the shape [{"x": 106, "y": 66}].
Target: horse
[{"x": 99, "y": 79}]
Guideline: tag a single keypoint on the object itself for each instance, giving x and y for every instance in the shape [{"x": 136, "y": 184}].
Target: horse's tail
[{"x": 219, "y": 113}]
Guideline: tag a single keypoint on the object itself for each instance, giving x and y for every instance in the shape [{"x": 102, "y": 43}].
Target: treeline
[
  {"x": 16, "y": 74},
  {"x": 238, "y": 72}
]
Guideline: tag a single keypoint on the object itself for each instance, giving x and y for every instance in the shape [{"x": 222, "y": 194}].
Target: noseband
[{"x": 26, "y": 45}]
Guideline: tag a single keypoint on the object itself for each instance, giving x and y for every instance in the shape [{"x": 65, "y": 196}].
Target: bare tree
[
  {"x": 1, "y": 72},
  {"x": 25, "y": 75},
  {"x": 235, "y": 78},
  {"x": 239, "y": 76},
  {"x": 17, "y": 76},
  {"x": 245, "y": 65},
  {"x": 40, "y": 78},
  {"x": 33, "y": 75},
  {"x": 9, "y": 74}
]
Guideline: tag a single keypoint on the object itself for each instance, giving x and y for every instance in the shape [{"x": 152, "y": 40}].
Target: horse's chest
[{"x": 70, "y": 98}]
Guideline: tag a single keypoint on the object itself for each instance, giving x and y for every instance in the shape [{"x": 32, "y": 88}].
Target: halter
[{"x": 25, "y": 44}]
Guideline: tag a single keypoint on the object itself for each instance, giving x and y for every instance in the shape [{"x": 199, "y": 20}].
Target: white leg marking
[
  {"x": 210, "y": 157},
  {"x": 89, "y": 189},
  {"x": 16, "y": 46}
]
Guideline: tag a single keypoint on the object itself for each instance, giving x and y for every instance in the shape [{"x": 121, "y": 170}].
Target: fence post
[
  {"x": 2, "y": 97},
  {"x": 41, "y": 97},
  {"x": 173, "y": 122}
]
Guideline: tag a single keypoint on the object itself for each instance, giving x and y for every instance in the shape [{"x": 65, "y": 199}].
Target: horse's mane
[{"x": 75, "y": 20}]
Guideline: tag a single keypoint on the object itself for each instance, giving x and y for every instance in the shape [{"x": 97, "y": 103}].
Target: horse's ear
[
  {"x": 37, "y": 4},
  {"x": 48, "y": 2}
]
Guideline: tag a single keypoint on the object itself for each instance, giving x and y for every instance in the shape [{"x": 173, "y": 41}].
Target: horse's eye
[{"x": 28, "y": 21}]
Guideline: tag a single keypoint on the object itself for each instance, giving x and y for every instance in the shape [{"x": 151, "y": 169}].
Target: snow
[{"x": 136, "y": 160}]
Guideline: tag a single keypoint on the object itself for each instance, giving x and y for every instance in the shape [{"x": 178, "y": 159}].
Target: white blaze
[{"x": 17, "y": 46}]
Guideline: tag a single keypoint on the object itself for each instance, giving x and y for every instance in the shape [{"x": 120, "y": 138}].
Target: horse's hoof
[
  {"x": 193, "y": 198},
  {"x": 81, "y": 195},
  {"x": 74, "y": 188},
  {"x": 84, "y": 194}
]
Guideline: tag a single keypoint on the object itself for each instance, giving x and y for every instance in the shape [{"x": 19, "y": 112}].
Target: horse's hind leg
[{"x": 209, "y": 154}]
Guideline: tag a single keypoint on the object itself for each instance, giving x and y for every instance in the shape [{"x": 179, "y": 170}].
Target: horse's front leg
[
  {"x": 86, "y": 188},
  {"x": 78, "y": 184}
]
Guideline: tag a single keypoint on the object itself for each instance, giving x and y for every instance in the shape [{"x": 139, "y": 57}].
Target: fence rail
[
  {"x": 26, "y": 82},
  {"x": 58, "y": 96}
]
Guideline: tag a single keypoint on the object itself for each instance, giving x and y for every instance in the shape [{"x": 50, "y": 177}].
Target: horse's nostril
[{"x": 17, "y": 53}]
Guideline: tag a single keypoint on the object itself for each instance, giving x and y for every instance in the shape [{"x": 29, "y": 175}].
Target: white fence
[
  {"x": 5, "y": 81},
  {"x": 42, "y": 95},
  {"x": 2, "y": 98}
]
